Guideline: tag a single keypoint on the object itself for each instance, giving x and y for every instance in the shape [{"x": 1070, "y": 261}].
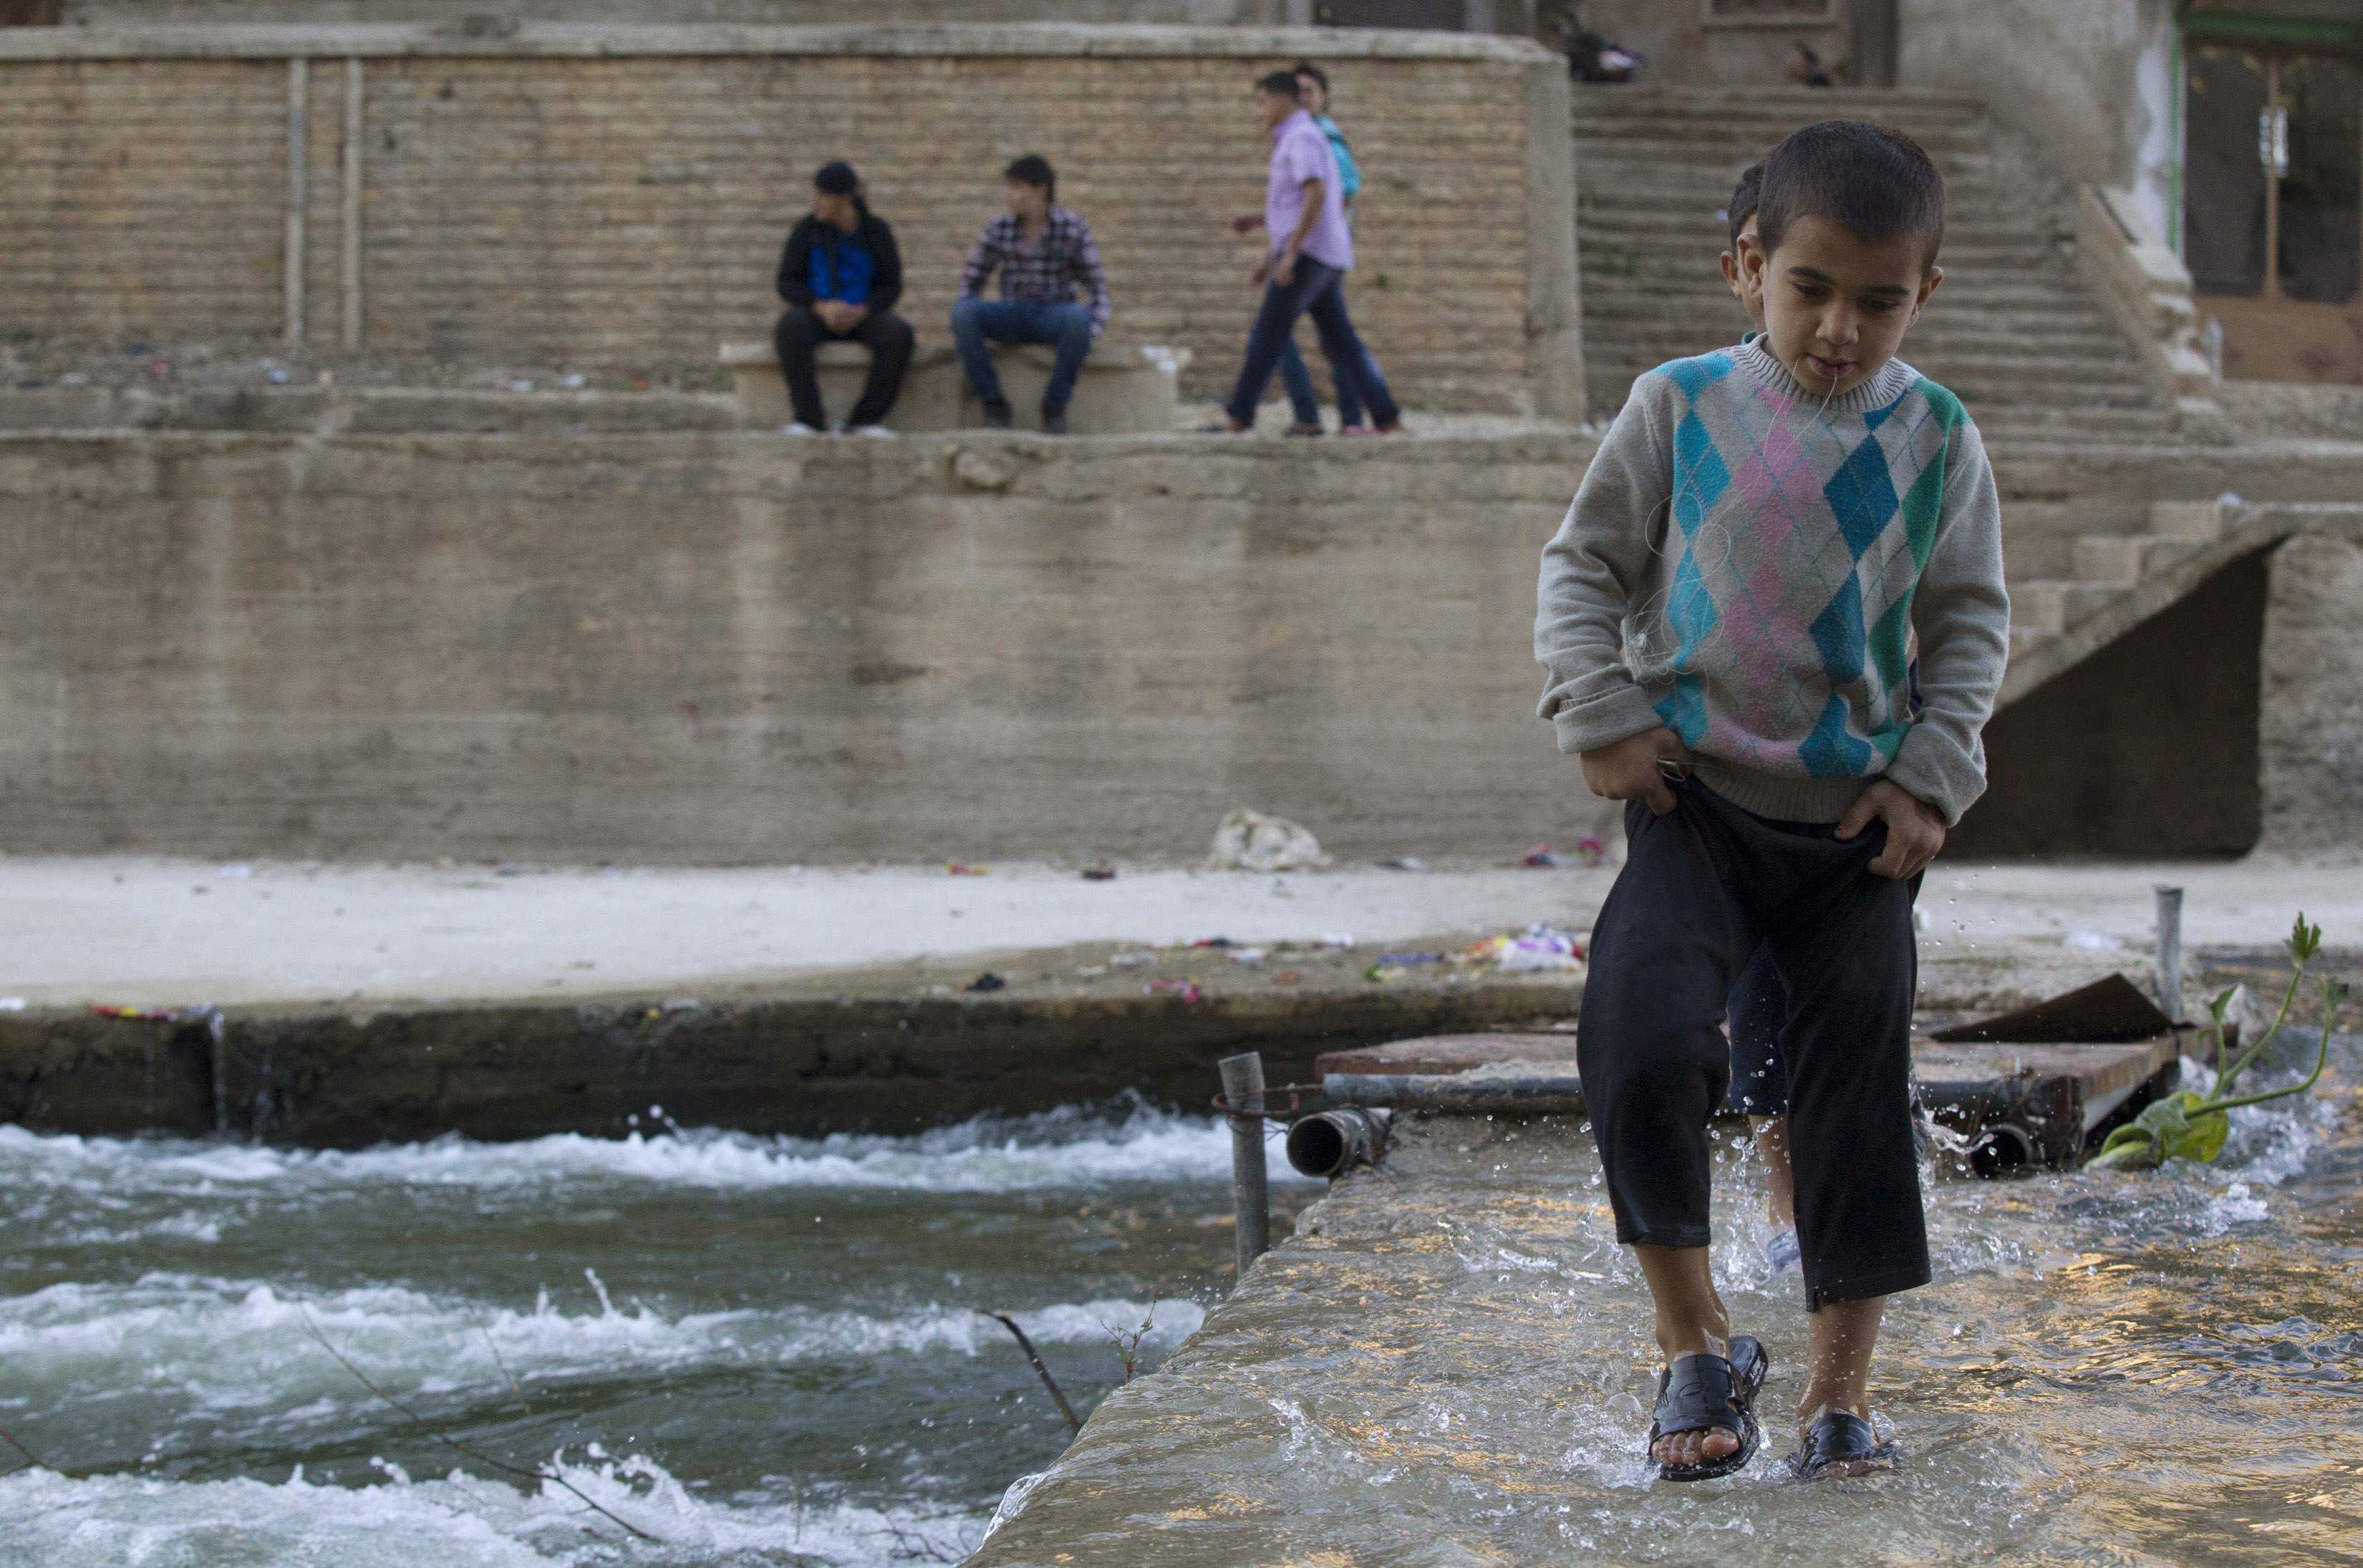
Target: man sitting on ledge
[
  {"x": 840, "y": 275},
  {"x": 1044, "y": 251}
]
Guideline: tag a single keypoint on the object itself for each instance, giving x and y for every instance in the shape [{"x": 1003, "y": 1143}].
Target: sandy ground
[{"x": 145, "y": 932}]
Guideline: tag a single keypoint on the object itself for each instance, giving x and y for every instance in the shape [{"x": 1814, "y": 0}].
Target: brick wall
[{"x": 523, "y": 205}]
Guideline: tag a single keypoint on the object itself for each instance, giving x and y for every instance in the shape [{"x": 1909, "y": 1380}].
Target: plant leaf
[
  {"x": 2305, "y": 941},
  {"x": 2201, "y": 1138},
  {"x": 2120, "y": 1153}
]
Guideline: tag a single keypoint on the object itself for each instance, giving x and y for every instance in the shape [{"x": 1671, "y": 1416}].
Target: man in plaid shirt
[{"x": 1043, "y": 251}]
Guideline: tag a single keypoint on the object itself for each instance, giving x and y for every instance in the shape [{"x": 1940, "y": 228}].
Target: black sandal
[
  {"x": 1841, "y": 1443},
  {"x": 1715, "y": 1393}
]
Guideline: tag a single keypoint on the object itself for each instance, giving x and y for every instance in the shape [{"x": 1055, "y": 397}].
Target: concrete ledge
[
  {"x": 803, "y": 1067},
  {"x": 502, "y": 36},
  {"x": 1122, "y": 391}
]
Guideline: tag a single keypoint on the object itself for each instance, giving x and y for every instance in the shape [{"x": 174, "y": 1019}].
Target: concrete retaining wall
[
  {"x": 616, "y": 195},
  {"x": 715, "y": 648}
]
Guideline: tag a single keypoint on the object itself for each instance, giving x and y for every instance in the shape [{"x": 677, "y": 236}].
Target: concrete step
[
  {"x": 2198, "y": 520},
  {"x": 2051, "y": 605},
  {"x": 2124, "y": 559},
  {"x": 1619, "y": 296},
  {"x": 2025, "y": 638}
]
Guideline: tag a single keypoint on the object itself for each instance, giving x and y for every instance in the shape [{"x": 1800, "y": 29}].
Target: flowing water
[
  {"x": 762, "y": 1351},
  {"x": 756, "y": 1349}
]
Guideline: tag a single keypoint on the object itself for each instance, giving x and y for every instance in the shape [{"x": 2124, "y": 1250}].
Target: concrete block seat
[{"x": 1122, "y": 391}]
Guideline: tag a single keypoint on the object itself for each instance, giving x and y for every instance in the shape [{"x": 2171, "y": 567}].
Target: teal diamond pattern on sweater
[
  {"x": 1861, "y": 495},
  {"x": 1830, "y": 752},
  {"x": 1699, "y": 474}
]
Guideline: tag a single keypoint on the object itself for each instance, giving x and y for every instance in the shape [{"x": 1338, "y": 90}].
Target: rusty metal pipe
[
  {"x": 1540, "y": 1095},
  {"x": 1330, "y": 1143}
]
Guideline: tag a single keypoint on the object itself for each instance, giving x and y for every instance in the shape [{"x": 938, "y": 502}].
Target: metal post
[
  {"x": 2170, "y": 951},
  {"x": 299, "y": 89},
  {"x": 1243, "y": 1087}
]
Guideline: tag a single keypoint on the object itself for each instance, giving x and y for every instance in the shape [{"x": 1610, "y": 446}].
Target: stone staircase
[{"x": 2017, "y": 330}]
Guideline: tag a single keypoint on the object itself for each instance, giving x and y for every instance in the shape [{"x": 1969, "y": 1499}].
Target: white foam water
[
  {"x": 218, "y": 1347},
  {"x": 456, "y": 1521},
  {"x": 1058, "y": 1148}
]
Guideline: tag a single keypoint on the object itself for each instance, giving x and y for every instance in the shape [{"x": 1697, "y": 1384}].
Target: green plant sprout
[{"x": 2186, "y": 1126}]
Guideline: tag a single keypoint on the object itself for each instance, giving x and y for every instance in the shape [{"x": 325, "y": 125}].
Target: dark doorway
[{"x": 2146, "y": 750}]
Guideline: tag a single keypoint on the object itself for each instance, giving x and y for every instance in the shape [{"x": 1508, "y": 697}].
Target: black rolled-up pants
[{"x": 1702, "y": 887}]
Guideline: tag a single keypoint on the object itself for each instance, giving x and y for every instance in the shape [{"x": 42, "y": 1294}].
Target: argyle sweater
[{"x": 1745, "y": 565}]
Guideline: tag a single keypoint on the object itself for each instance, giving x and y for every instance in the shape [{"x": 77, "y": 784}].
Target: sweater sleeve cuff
[
  {"x": 1604, "y": 719},
  {"x": 1928, "y": 765}
]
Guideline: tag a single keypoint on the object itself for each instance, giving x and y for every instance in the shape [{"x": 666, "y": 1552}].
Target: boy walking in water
[{"x": 1724, "y": 620}]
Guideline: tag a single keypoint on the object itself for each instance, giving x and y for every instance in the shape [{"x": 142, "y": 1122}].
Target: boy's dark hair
[
  {"x": 1873, "y": 183},
  {"x": 837, "y": 178},
  {"x": 1281, "y": 85},
  {"x": 1744, "y": 199},
  {"x": 1034, "y": 170},
  {"x": 1306, "y": 67}
]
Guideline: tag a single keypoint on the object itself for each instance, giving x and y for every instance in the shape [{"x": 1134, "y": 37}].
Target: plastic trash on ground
[
  {"x": 1251, "y": 841},
  {"x": 1538, "y": 947}
]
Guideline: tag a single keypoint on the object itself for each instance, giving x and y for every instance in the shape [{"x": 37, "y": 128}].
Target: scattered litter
[
  {"x": 988, "y": 982},
  {"x": 520, "y": 385},
  {"x": 1212, "y": 942},
  {"x": 1288, "y": 976},
  {"x": 1543, "y": 858},
  {"x": 1090, "y": 971},
  {"x": 12, "y": 1004},
  {"x": 2093, "y": 941},
  {"x": 1099, "y": 873},
  {"x": 1188, "y": 989},
  {"x": 1339, "y": 939},
  {"x": 164, "y": 1013},
  {"x": 1251, "y": 841},
  {"x": 277, "y": 378},
  {"x": 1383, "y": 974},
  {"x": 1132, "y": 960},
  {"x": 1538, "y": 947},
  {"x": 572, "y": 380},
  {"x": 962, "y": 869},
  {"x": 1403, "y": 863},
  {"x": 1589, "y": 850},
  {"x": 1398, "y": 960},
  {"x": 235, "y": 873},
  {"x": 681, "y": 1004},
  {"x": 1247, "y": 954}
]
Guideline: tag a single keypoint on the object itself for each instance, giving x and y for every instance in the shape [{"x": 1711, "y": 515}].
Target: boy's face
[
  {"x": 1029, "y": 204},
  {"x": 1272, "y": 108},
  {"x": 1748, "y": 291},
  {"x": 1311, "y": 95},
  {"x": 1836, "y": 305}
]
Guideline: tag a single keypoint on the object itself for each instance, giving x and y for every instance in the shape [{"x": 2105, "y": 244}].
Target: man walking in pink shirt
[{"x": 1312, "y": 250}]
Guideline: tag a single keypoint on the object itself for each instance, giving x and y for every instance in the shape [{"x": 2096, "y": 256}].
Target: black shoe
[
  {"x": 996, "y": 416},
  {"x": 1841, "y": 1443},
  {"x": 1054, "y": 422},
  {"x": 1702, "y": 1392}
]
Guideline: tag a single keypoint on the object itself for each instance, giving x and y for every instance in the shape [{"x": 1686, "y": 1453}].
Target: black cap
[{"x": 837, "y": 179}]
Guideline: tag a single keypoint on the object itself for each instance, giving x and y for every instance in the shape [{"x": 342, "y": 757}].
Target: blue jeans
[
  {"x": 1022, "y": 321},
  {"x": 1319, "y": 291},
  {"x": 1304, "y": 401}
]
